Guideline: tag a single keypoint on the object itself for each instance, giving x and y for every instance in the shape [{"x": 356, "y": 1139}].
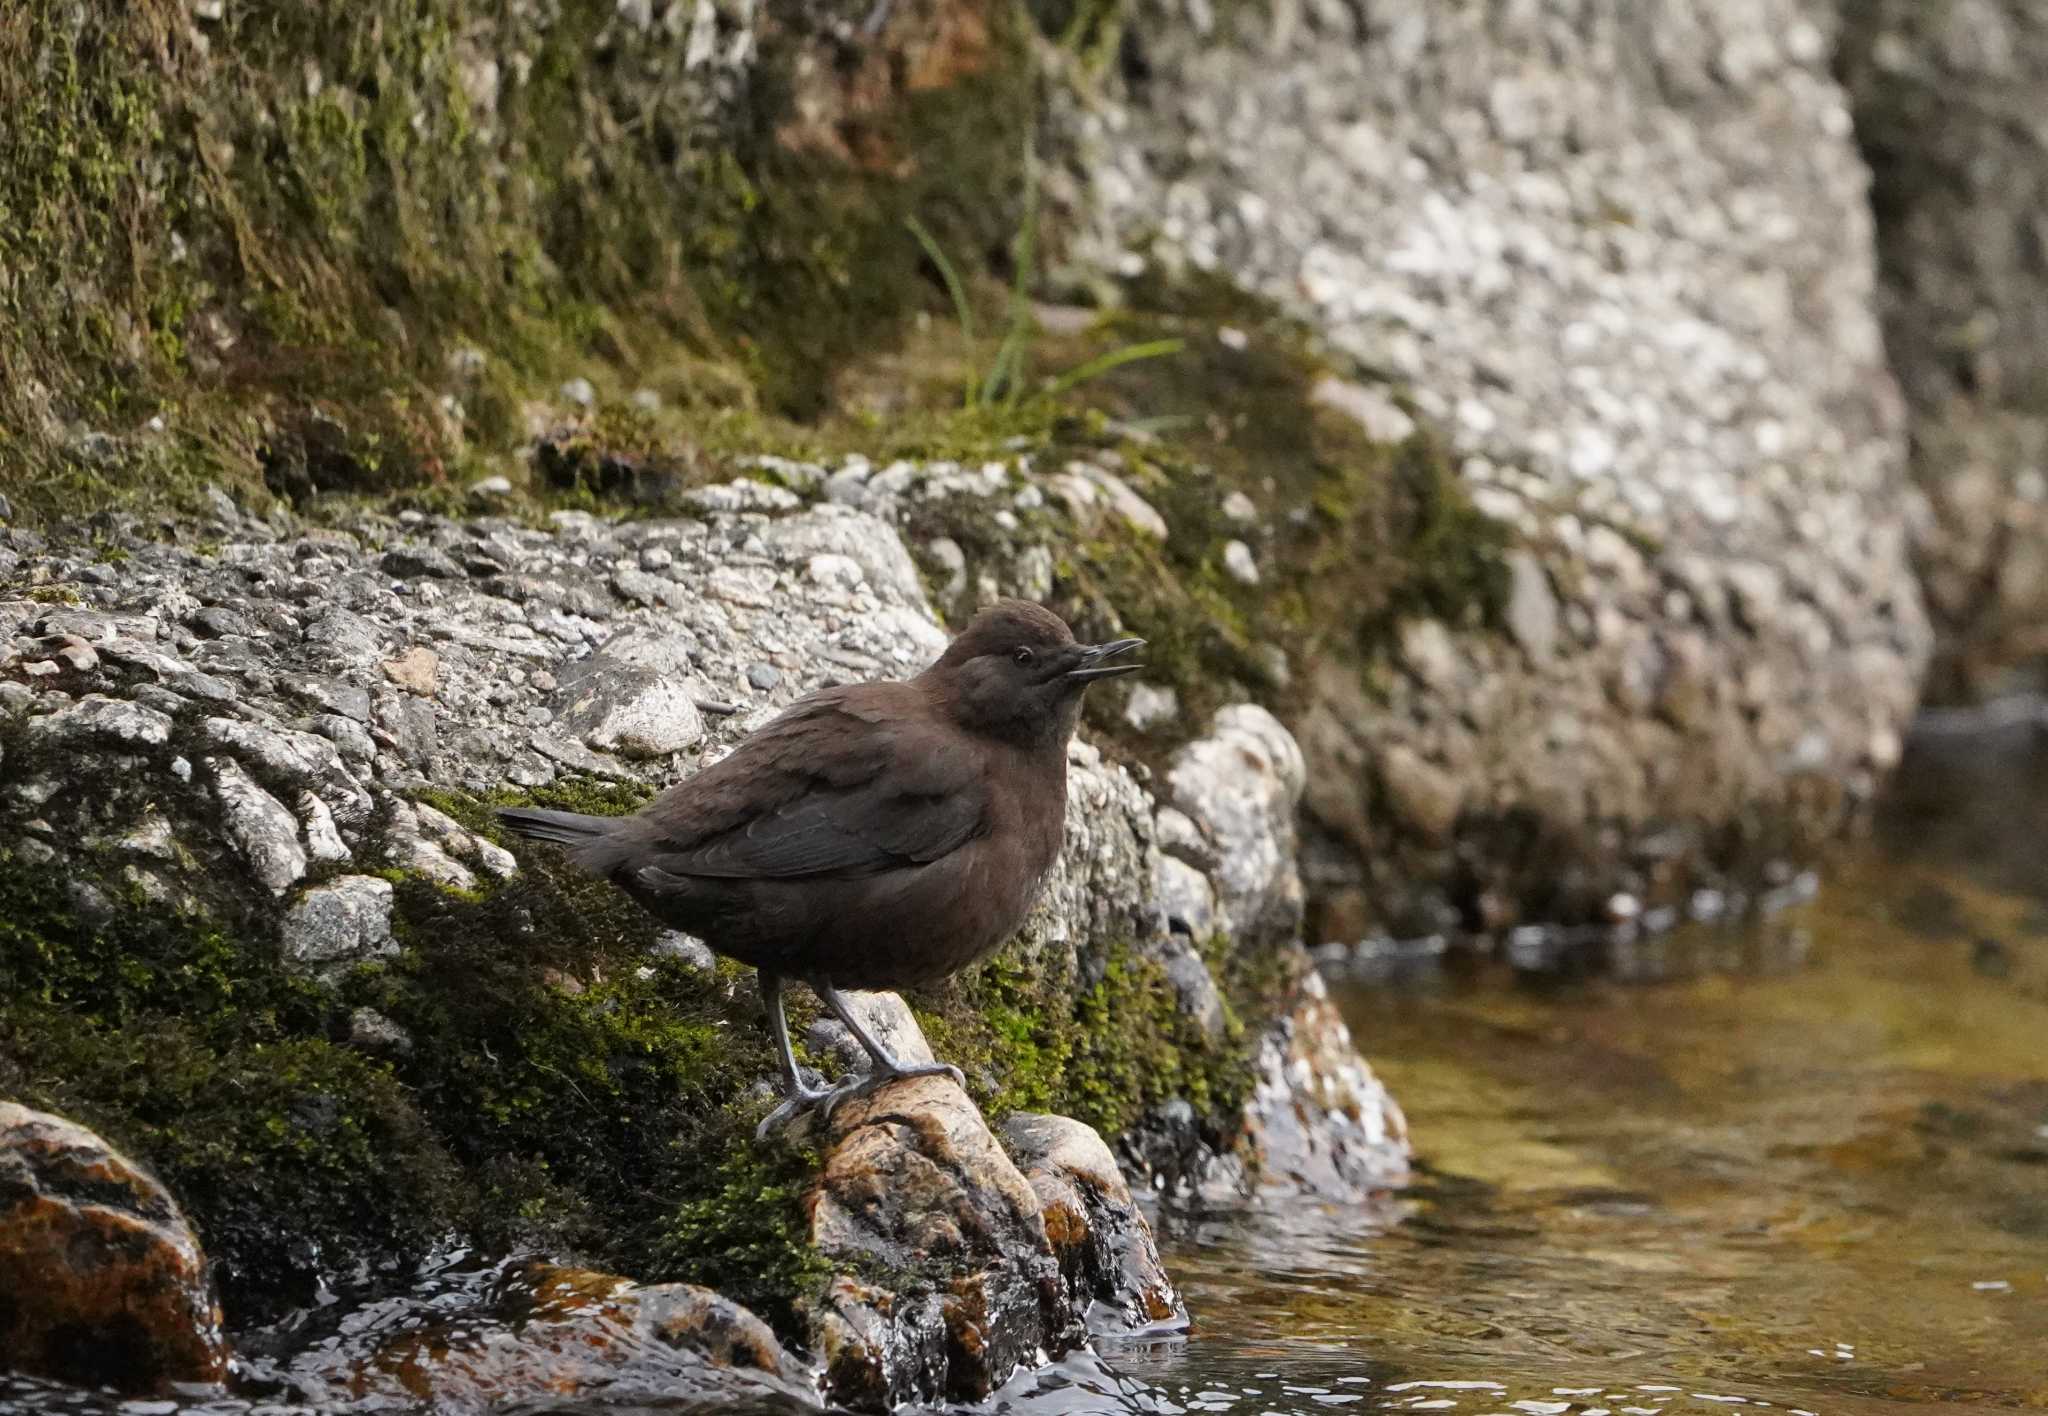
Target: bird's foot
[
  {"x": 921, "y": 1069},
  {"x": 796, "y": 1104},
  {"x": 869, "y": 1082}
]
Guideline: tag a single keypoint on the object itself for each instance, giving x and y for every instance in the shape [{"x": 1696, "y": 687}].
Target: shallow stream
[{"x": 1802, "y": 1165}]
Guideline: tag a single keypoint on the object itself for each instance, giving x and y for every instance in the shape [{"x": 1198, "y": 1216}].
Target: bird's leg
[
  {"x": 800, "y": 1097},
  {"x": 887, "y": 1066}
]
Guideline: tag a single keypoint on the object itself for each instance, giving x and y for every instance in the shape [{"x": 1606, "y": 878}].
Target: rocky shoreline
[{"x": 270, "y": 741}]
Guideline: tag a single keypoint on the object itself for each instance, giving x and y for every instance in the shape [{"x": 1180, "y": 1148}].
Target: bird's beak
[{"x": 1092, "y": 665}]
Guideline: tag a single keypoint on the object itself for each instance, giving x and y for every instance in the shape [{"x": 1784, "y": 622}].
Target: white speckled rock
[
  {"x": 98, "y": 718},
  {"x": 1240, "y": 785},
  {"x": 340, "y": 922},
  {"x": 1619, "y": 258},
  {"x": 264, "y": 832}
]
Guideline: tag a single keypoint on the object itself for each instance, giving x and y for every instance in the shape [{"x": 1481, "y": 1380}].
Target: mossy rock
[{"x": 344, "y": 250}]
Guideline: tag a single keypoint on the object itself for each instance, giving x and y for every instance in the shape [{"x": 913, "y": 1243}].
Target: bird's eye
[{"x": 1023, "y": 654}]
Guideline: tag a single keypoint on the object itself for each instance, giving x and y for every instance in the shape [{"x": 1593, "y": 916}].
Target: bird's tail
[{"x": 570, "y": 828}]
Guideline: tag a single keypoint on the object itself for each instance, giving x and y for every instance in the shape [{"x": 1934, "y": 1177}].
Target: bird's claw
[
  {"x": 929, "y": 1069},
  {"x": 793, "y": 1106},
  {"x": 827, "y": 1099},
  {"x": 874, "y": 1081}
]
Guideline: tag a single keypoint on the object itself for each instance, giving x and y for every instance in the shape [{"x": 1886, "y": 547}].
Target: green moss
[
  {"x": 179, "y": 1038},
  {"x": 1351, "y": 536},
  {"x": 1104, "y": 1041},
  {"x": 562, "y": 1087},
  {"x": 272, "y": 241}
]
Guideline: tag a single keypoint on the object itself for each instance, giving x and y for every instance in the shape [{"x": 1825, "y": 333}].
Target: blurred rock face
[
  {"x": 1947, "y": 98},
  {"x": 1621, "y": 255}
]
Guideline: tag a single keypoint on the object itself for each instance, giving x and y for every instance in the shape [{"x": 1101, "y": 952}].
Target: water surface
[{"x": 1801, "y": 1164}]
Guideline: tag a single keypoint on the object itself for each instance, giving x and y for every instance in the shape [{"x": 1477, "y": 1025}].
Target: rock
[
  {"x": 1368, "y": 407},
  {"x": 370, "y": 1029},
  {"x": 423, "y": 857},
  {"x": 694, "y": 953},
  {"x": 263, "y": 831},
  {"x": 573, "y": 1334},
  {"x": 1427, "y": 798},
  {"x": 1320, "y": 1122},
  {"x": 323, "y": 841},
  {"x": 411, "y": 562},
  {"x": 1105, "y": 1248},
  {"x": 1532, "y": 609},
  {"x": 885, "y": 1015},
  {"x": 99, "y": 718},
  {"x": 620, "y": 707},
  {"x": 341, "y": 922},
  {"x": 317, "y": 724},
  {"x": 1241, "y": 785},
  {"x": 915, "y": 1187},
  {"x": 642, "y": 588},
  {"x": 105, "y": 1283},
  {"x": 1695, "y": 366},
  {"x": 952, "y": 563},
  {"x": 417, "y": 670},
  {"x": 1151, "y": 705},
  {"x": 303, "y": 759},
  {"x": 1239, "y": 564},
  {"x": 1959, "y": 188}
]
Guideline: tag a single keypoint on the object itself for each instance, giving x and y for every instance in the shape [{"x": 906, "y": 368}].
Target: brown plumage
[{"x": 876, "y": 835}]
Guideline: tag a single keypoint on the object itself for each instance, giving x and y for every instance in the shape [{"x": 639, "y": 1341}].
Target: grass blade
[
  {"x": 1115, "y": 359},
  {"x": 962, "y": 310}
]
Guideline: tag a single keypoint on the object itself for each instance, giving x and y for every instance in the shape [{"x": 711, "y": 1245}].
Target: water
[
  {"x": 1807, "y": 1170},
  {"x": 1799, "y": 1166}
]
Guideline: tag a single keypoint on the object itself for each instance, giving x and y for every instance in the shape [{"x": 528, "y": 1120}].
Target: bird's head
[{"x": 1017, "y": 673}]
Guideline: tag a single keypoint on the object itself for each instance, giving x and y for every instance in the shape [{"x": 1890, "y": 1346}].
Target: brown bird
[{"x": 875, "y": 835}]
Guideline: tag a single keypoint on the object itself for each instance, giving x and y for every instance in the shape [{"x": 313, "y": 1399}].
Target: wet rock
[
  {"x": 1105, "y": 1248},
  {"x": 556, "y": 1334},
  {"x": 1320, "y": 1121},
  {"x": 102, "y": 1283},
  {"x": 914, "y": 1186},
  {"x": 263, "y": 831},
  {"x": 340, "y": 922}
]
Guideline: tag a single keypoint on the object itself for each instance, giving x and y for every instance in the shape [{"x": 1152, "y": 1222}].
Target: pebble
[{"x": 1239, "y": 562}]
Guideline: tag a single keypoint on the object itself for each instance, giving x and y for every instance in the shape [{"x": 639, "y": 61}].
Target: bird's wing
[{"x": 842, "y": 786}]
